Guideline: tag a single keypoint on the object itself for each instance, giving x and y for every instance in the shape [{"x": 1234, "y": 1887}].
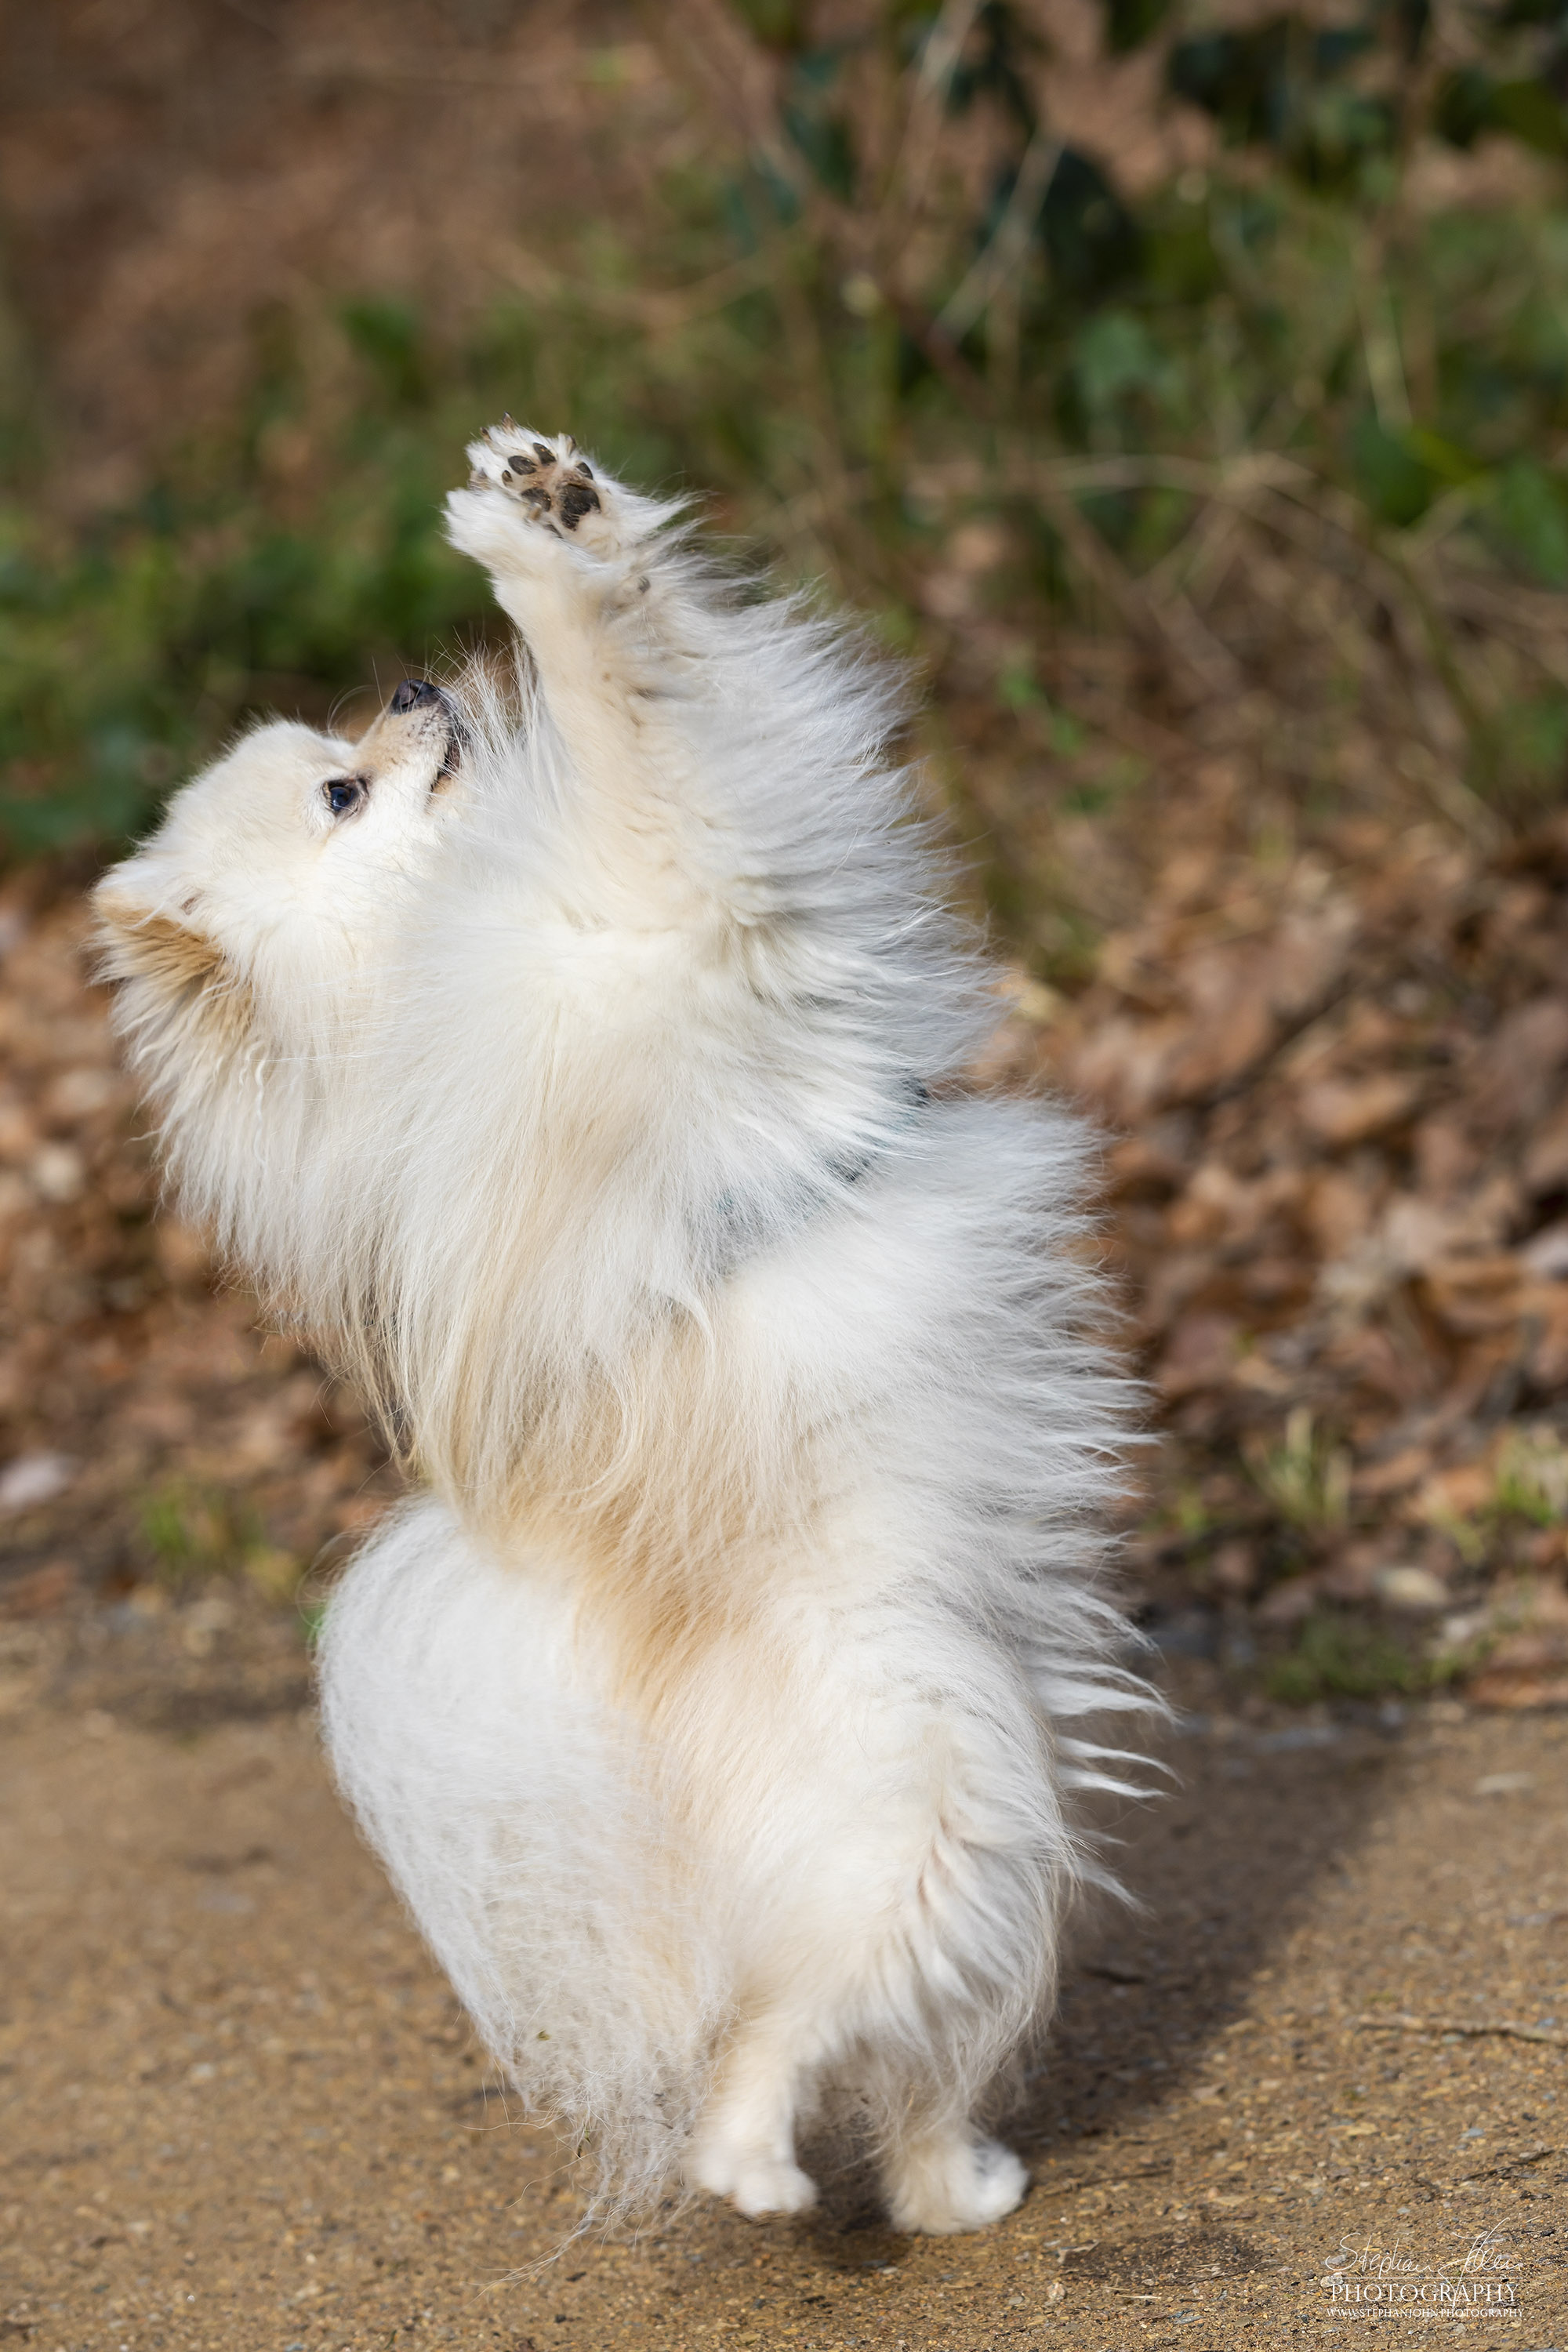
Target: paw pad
[{"x": 555, "y": 488}]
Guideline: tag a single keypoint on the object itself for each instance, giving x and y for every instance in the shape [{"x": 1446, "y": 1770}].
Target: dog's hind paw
[
  {"x": 952, "y": 2182},
  {"x": 551, "y": 483},
  {"x": 755, "y": 2183},
  {"x": 772, "y": 2187}
]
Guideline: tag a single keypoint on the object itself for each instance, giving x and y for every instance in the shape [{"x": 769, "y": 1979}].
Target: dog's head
[{"x": 276, "y": 871}]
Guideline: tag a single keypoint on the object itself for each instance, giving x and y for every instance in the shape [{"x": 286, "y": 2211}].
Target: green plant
[
  {"x": 1531, "y": 1480},
  {"x": 1340, "y": 1656},
  {"x": 193, "y": 1531},
  {"x": 885, "y": 299},
  {"x": 312, "y": 1615},
  {"x": 190, "y": 1532},
  {"x": 1306, "y": 1476}
]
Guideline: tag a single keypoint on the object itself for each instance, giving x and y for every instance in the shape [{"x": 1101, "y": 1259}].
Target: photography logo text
[{"x": 1478, "y": 2278}]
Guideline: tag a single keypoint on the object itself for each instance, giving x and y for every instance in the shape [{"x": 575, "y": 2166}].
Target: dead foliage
[{"x": 1334, "y": 1066}]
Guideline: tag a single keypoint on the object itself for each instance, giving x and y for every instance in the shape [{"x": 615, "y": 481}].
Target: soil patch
[{"x": 244, "y": 2109}]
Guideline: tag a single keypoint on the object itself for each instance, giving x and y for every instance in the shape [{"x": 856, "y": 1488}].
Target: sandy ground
[{"x": 244, "y": 2111}]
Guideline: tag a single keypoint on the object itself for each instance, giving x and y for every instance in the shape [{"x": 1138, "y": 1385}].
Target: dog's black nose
[{"x": 413, "y": 694}]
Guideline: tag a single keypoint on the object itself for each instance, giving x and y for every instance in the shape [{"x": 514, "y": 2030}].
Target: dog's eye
[{"x": 343, "y": 793}]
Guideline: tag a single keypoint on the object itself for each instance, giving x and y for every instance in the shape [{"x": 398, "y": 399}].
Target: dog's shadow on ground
[{"x": 1223, "y": 1870}]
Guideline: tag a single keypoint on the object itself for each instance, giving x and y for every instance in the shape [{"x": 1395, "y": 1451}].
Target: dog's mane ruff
[{"x": 623, "y": 1050}]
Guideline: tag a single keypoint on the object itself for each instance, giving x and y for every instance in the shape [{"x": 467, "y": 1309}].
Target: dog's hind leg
[
  {"x": 951, "y": 2178},
  {"x": 744, "y": 2148},
  {"x": 938, "y": 2177},
  {"x": 940, "y": 2173},
  {"x": 886, "y": 1829}
]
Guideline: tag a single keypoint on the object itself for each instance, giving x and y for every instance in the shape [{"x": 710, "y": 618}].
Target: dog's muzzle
[
  {"x": 422, "y": 694},
  {"x": 417, "y": 693}
]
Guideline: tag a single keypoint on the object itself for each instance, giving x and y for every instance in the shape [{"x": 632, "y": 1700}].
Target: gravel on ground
[{"x": 1319, "y": 2082}]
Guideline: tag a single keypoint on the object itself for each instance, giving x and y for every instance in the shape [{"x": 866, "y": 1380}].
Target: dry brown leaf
[{"x": 1342, "y": 1111}]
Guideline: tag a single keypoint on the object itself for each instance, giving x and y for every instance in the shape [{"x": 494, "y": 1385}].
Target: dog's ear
[
  {"x": 178, "y": 965},
  {"x": 141, "y": 943}
]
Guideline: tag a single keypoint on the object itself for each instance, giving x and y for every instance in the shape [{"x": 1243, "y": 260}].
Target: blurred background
[{"x": 1182, "y": 388}]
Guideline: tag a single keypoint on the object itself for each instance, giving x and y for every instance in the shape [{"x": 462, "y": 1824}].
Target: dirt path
[{"x": 243, "y": 2111}]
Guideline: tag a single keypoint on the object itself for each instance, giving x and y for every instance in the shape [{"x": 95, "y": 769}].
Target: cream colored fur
[{"x": 726, "y": 1706}]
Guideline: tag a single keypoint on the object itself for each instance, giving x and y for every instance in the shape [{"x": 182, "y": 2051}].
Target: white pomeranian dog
[{"x": 584, "y": 1065}]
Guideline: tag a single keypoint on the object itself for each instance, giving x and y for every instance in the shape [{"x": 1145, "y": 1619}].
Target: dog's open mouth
[
  {"x": 455, "y": 745},
  {"x": 452, "y": 756}
]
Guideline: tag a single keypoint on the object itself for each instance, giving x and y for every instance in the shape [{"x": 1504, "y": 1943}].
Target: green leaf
[
  {"x": 1532, "y": 509},
  {"x": 386, "y": 333},
  {"x": 1115, "y": 354},
  {"x": 1532, "y": 113},
  {"x": 1129, "y": 23},
  {"x": 775, "y": 23},
  {"x": 1394, "y": 480},
  {"x": 1442, "y": 457}
]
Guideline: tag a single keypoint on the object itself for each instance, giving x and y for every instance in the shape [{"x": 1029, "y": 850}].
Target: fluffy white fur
[{"x": 725, "y": 1706}]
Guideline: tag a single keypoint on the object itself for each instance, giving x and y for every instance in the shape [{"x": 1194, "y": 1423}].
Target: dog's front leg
[
  {"x": 585, "y": 569},
  {"x": 576, "y": 563}
]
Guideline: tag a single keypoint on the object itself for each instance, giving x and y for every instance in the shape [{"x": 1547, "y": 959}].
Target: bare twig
[
  {"x": 1473, "y": 2029},
  {"x": 1507, "y": 2165},
  {"x": 1170, "y": 620},
  {"x": 917, "y": 149},
  {"x": 1107, "y": 2180},
  {"x": 1379, "y": 342},
  {"x": 1010, "y": 243},
  {"x": 738, "y": 81},
  {"x": 1270, "y": 488},
  {"x": 657, "y": 310}
]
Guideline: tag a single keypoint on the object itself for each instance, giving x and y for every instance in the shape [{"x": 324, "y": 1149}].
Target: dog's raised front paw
[
  {"x": 550, "y": 482},
  {"x": 952, "y": 2182}
]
